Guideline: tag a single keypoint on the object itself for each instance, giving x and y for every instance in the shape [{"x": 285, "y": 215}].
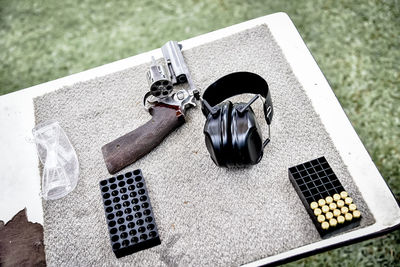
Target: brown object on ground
[
  {"x": 21, "y": 242},
  {"x": 127, "y": 149}
]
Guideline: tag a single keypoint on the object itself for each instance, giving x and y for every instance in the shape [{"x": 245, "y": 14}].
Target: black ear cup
[
  {"x": 246, "y": 143},
  {"x": 233, "y": 138}
]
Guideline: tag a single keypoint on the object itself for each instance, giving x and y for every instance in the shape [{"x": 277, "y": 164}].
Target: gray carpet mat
[{"x": 205, "y": 215}]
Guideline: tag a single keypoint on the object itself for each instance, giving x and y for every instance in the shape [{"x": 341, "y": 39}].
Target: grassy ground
[{"x": 356, "y": 44}]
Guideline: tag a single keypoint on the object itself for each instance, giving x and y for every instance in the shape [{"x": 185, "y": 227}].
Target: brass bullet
[
  {"x": 336, "y": 212},
  {"x": 348, "y": 200},
  {"x": 329, "y": 215},
  {"x": 325, "y": 225},
  {"x": 321, "y": 218},
  {"x": 329, "y": 200},
  {"x": 352, "y": 207},
  {"x": 314, "y": 205},
  {"x": 325, "y": 209},
  {"x": 340, "y": 203},
  {"x": 344, "y": 210},
  {"x": 344, "y": 194},
  {"x": 332, "y": 222},
  {"x": 321, "y": 202},
  {"x": 348, "y": 216},
  {"x": 356, "y": 214},
  {"x": 340, "y": 219},
  {"x": 317, "y": 211},
  {"x": 332, "y": 206},
  {"x": 336, "y": 197}
]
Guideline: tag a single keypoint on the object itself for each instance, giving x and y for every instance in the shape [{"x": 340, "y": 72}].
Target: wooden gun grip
[{"x": 130, "y": 147}]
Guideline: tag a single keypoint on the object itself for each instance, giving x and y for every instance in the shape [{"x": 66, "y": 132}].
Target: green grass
[{"x": 356, "y": 44}]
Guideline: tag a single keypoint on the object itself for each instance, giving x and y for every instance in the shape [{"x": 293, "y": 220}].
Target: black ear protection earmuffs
[{"x": 232, "y": 134}]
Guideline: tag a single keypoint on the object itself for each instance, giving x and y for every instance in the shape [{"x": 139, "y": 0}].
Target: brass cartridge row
[{"x": 335, "y": 210}]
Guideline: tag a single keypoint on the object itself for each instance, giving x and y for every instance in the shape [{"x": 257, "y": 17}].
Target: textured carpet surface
[{"x": 205, "y": 215}]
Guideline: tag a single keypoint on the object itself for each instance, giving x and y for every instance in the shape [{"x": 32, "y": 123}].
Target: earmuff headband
[{"x": 235, "y": 84}]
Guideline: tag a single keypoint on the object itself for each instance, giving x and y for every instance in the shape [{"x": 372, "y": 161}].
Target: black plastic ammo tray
[
  {"x": 315, "y": 180},
  {"x": 129, "y": 214}
]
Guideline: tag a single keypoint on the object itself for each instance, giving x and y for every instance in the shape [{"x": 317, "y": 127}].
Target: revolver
[{"x": 166, "y": 106}]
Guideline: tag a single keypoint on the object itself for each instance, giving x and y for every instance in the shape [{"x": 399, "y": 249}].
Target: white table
[{"x": 20, "y": 182}]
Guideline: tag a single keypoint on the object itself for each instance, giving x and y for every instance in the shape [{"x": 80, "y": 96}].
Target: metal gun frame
[{"x": 176, "y": 72}]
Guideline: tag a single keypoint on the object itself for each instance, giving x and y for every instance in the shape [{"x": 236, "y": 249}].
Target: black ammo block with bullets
[
  {"x": 330, "y": 207},
  {"x": 128, "y": 213}
]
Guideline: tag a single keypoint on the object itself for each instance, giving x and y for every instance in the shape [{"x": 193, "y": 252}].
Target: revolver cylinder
[{"x": 159, "y": 80}]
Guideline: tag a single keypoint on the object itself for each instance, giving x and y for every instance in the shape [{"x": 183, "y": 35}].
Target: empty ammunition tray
[
  {"x": 129, "y": 214},
  {"x": 318, "y": 187}
]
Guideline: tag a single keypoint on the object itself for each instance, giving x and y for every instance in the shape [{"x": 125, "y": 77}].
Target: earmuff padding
[
  {"x": 213, "y": 140},
  {"x": 226, "y": 135}
]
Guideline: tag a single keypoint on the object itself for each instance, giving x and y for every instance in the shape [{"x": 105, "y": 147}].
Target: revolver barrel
[{"x": 175, "y": 62}]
